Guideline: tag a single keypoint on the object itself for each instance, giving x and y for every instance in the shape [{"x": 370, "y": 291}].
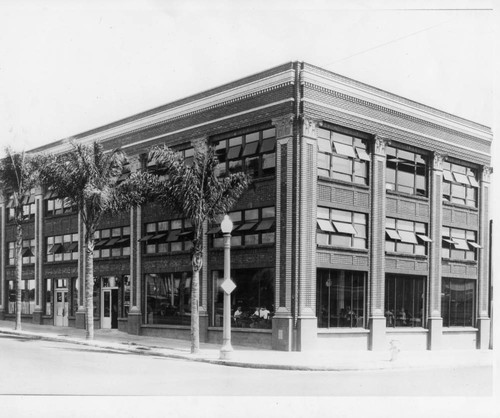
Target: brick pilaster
[
  {"x": 38, "y": 312},
  {"x": 435, "y": 320},
  {"x": 377, "y": 245},
  {"x": 2, "y": 257},
  {"x": 282, "y": 321},
  {"x": 135, "y": 315},
  {"x": 80, "y": 314},
  {"x": 483, "y": 321}
]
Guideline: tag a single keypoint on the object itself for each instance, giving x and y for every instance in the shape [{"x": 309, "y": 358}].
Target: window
[
  {"x": 253, "y": 153},
  {"x": 407, "y": 237},
  {"x": 459, "y": 244},
  {"x": 404, "y": 301},
  {"x": 457, "y": 302},
  {"x": 460, "y": 184},
  {"x": 342, "y": 157},
  {"x": 168, "y": 236},
  {"x": 340, "y": 298},
  {"x": 74, "y": 296},
  {"x": 252, "y": 299},
  {"x": 341, "y": 228},
  {"x": 47, "y": 295},
  {"x": 406, "y": 172},
  {"x": 55, "y": 206},
  {"x": 62, "y": 247},
  {"x": 27, "y": 297},
  {"x": 125, "y": 295},
  {"x": 27, "y": 252},
  {"x": 28, "y": 208},
  {"x": 168, "y": 298},
  {"x": 112, "y": 242},
  {"x": 251, "y": 227}
]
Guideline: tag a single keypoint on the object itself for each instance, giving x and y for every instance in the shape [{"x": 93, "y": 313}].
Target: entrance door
[
  {"x": 61, "y": 308},
  {"x": 110, "y": 308}
]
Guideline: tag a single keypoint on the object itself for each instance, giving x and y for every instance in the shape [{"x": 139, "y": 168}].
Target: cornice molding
[
  {"x": 390, "y": 103},
  {"x": 220, "y": 99}
]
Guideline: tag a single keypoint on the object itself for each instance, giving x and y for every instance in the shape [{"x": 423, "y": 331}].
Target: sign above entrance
[{"x": 228, "y": 286}]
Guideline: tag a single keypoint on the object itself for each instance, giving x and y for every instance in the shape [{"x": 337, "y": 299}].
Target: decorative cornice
[
  {"x": 284, "y": 125},
  {"x": 380, "y": 143}
]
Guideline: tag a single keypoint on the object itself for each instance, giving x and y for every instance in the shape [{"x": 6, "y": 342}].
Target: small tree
[
  {"x": 196, "y": 192},
  {"x": 18, "y": 175},
  {"x": 88, "y": 177}
]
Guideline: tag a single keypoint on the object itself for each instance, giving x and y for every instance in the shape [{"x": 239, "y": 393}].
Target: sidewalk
[{"x": 253, "y": 357}]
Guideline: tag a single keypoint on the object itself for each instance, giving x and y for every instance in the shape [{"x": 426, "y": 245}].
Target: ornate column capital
[
  {"x": 310, "y": 127},
  {"x": 284, "y": 125},
  {"x": 486, "y": 173},
  {"x": 380, "y": 143},
  {"x": 437, "y": 163}
]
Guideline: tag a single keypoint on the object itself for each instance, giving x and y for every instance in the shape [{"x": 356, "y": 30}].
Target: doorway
[
  {"x": 61, "y": 308},
  {"x": 109, "y": 308}
]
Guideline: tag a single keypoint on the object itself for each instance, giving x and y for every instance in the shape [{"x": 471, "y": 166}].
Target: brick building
[{"x": 367, "y": 221}]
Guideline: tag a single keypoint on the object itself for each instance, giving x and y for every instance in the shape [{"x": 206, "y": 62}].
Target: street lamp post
[{"x": 227, "y": 286}]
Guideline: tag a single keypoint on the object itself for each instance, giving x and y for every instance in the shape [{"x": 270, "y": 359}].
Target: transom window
[
  {"x": 341, "y": 228},
  {"x": 27, "y": 252},
  {"x": 408, "y": 237},
  {"x": 459, "y": 244},
  {"x": 168, "y": 236},
  {"x": 460, "y": 184},
  {"x": 251, "y": 227},
  {"x": 406, "y": 172},
  {"x": 62, "y": 247},
  {"x": 253, "y": 153},
  {"x": 342, "y": 157},
  {"x": 112, "y": 242}
]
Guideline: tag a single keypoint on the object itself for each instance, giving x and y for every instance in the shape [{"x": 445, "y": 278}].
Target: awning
[
  {"x": 344, "y": 149},
  {"x": 265, "y": 225},
  {"x": 247, "y": 226},
  {"x": 72, "y": 247},
  {"x": 408, "y": 237},
  {"x": 362, "y": 154},
  {"x": 250, "y": 148},
  {"x": 268, "y": 145},
  {"x": 173, "y": 235},
  {"x": 474, "y": 244},
  {"x": 324, "y": 145},
  {"x": 447, "y": 175},
  {"x": 26, "y": 252},
  {"x": 424, "y": 238},
  {"x": 100, "y": 243},
  {"x": 111, "y": 242},
  {"x": 460, "y": 244},
  {"x": 393, "y": 234},
  {"x": 56, "y": 248},
  {"x": 343, "y": 228},
  {"x": 325, "y": 225},
  {"x": 461, "y": 178},
  {"x": 146, "y": 238}
]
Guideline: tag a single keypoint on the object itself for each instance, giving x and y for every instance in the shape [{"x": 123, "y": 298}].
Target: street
[{"x": 37, "y": 367}]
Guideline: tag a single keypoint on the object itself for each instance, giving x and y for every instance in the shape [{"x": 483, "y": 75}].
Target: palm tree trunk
[
  {"x": 19, "y": 272},
  {"x": 89, "y": 288},
  {"x": 195, "y": 303}
]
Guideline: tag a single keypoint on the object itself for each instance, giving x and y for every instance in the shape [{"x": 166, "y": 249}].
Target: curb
[{"x": 401, "y": 364}]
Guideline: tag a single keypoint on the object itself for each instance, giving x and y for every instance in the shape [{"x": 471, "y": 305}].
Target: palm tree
[
  {"x": 197, "y": 193},
  {"x": 88, "y": 177},
  {"x": 18, "y": 175}
]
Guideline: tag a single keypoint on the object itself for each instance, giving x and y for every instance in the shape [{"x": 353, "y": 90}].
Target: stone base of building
[
  {"x": 435, "y": 335},
  {"x": 37, "y": 317},
  {"x": 203, "y": 327},
  {"x": 282, "y": 333},
  {"x": 134, "y": 322},
  {"x": 307, "y": 334},
  {"x": 2, "y": 314},
  {"x": 377, "y": 340},
  {"x": 80, "y": 320},
  {"x": 483, "y": 335}
]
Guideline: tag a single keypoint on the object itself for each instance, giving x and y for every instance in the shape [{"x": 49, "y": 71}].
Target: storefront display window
[
  {"x": 404, "y": 301},
  {"x": 457, "y": 302}
]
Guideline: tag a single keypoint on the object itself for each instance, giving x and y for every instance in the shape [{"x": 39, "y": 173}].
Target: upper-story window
[
  {"x": 27, "y": 252},
  {"x": 112, "y": 242},
  {"x": 402, "y": 236},
  {"x": 57, "y": 206},
  {"x": 342, "y": 157},
  {"x": 341, "y": 228},
  {"x": 251, "y": 227},
  {"x": 254, "y": 153},
  {"x": 459, "y": 244},
  {"x": 168, "y": 236},
  {"x": 152, "y": 164},
  {"x": 406, "y": 172},
  {"x": 28, "y": 208},
  {"x": 460, "y": 184},
  {"x": 62, "y": 247}
]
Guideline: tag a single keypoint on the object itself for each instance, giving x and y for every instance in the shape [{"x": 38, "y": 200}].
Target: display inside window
[
  {"x": 459, "y": 244},
  {"x": 404, "y": 301},
  {"x": 342, "y": 157},
  {"x": 406, "y": 172},
  {"x": 254, "y": 153},
  {"x": 252, "y": 301},
  {"x": 340, "y": 298},
  {"x": 457, "y": 302},
  {"x": 340, "y": 228},
  {"x": 168, "y": 298},
  {"x": 250, "y": 227},
  {"x": 27, "y": 297},
  {"x": 407, "y": 237},
  {"x": 460, "y": 184}
]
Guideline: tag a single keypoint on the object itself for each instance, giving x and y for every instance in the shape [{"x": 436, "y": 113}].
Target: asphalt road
[{"x": 36, "y": 367}]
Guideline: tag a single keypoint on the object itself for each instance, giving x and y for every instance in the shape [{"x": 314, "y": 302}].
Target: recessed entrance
[
  {"x": 109, "y": 308},
  {"x": 61, "y": 308}
]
